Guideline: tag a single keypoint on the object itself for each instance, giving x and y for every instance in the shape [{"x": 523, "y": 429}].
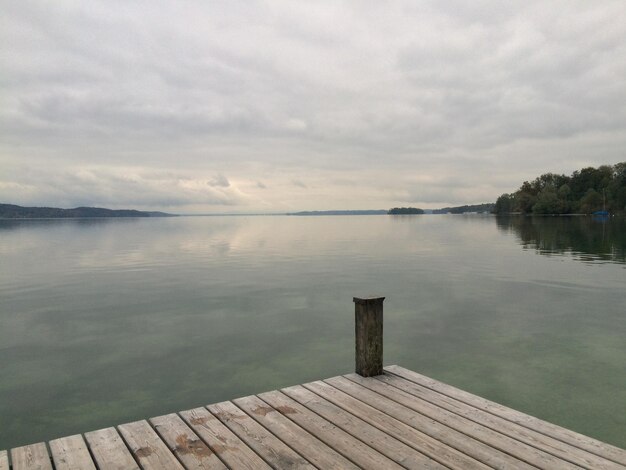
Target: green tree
[
  {"x": 591, "y": 201},
  {"x": 404, "y": 211},
  {"x": 547, "y": 202},
  {"x": 524, "y": 201},
  {"x": 504, "y": 204},
  {"x": 586, "y": 190}
]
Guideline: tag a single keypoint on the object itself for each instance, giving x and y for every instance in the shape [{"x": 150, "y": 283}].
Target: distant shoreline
[
  {"x": 12, "y": 211},
  {"x": 340, "y": 212}
]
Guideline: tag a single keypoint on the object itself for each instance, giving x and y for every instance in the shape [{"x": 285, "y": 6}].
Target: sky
[{"x": 273, "y": 106}]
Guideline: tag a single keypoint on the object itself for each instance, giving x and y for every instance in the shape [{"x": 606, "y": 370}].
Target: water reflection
[
  {"x": 24, "y": 224},
  {"x": 589, "y": 239},
  {"x": 109, "y": 321}
]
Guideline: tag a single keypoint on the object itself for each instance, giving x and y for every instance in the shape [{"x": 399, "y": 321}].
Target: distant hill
[
  {"x": 341, "y": 212},
  {"x": 486, "y": 207},
  {"x": 10, "y": 211}
]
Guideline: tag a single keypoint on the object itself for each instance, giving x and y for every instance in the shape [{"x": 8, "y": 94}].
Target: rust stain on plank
[
  {"x": 143, "y": 452},
  {"x": 286, "y": 410},
  {"x": 262, "y": 410},
  {"x": 199, "y": 421},
  {"x": 185, "y": 445}
]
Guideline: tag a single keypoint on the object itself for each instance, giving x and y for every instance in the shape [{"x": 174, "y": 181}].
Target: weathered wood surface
[
  {"x": 575, "y": 439},
  {"x": 311, "y": 448},
  {"x": 109, "y": 450},
  {"x": 70, "y": 453},
  {"x": 150, "y": 451},
  {"x": 232, "y": 450},
  {"x": 368, "y": 327},
  {"x": 494, "y": 439},
  {"x": 545, "y": 443},
  {"x": 378, "y": 440},
  {"x": 449, "y": 436},
  {"x": 336, "y": 438},
  {"x": 399, "y": 419},
  {"x": 259, "y": 439},
  {"x": 185, "y": 444},
  {"x": 31, "y": 457},
  {"x": 433, "y": 448},
  {"x": 4, "y": 460}
]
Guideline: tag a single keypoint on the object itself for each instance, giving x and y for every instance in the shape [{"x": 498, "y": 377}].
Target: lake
[{"x": 106, "y": 321}]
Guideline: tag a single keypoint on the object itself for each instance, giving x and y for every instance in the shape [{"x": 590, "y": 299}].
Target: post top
[{"x": 368, "y": 300}]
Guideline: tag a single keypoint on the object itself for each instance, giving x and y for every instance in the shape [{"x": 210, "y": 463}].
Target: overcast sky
[{"x": 270, "y": 106}]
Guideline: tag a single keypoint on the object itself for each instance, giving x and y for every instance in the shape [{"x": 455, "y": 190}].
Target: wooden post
[{"x": 368, "y": 321}]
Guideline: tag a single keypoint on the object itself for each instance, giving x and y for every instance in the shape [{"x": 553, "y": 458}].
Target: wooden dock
[{"x": 375, "y": 419}]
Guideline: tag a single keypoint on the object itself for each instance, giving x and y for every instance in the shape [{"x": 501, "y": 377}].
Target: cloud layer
[{"x": 275, "y": 105}]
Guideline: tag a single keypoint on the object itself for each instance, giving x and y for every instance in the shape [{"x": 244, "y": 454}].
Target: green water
[{"x": 108, "y": 321}]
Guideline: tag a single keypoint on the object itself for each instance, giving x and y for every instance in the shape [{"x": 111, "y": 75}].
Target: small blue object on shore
[{"x": 601, "y": 213}]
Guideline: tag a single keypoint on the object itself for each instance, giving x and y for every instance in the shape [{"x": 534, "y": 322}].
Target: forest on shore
[
  {"x": 584, "y": 192},
  {"x": 405, "y": 211},
  {"x": 11, "y": 211}
]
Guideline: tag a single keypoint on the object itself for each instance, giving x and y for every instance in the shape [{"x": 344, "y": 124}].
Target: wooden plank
[
  {"x": 447, "y": 435},
  {"x": 31, "y": 457},
  {"x": 440, "y": 442},
  {"x": 573, "y": 438},
  {"x": 70, "y": 453},
  {"x": 348, "y": 446},
  {"x": 109, "y": 450},
  {"x": 226, "y": 445},
  {"x": 263, "y": 442},
  {"x": 488, "y": 436},
  {"x": 311, "y": 448},
  {"x": 185, "y": 444},
  {"x": 149, "y": 450},
  {"x": 421, "y": 442},
  {"x": 4, "y": 460},
  {"x": 515, "y": 431},
  {"x": 382, "y": 442},
  {"x": 399, "y": 419}
]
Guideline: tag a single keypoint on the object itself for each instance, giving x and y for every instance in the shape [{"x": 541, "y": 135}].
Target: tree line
[
  {"x": 584, "y": 192},
  {"x": 404, "y": 211},
  {"x": 485, "y": 207}
]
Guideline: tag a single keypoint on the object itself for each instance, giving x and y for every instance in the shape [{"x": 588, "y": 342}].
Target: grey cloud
[
  {"x": 219, "y": 181},
  {"x": 321, "y": 87},
  {"x": 299, "y": 184},
  {"x": 125, "y": 188}
]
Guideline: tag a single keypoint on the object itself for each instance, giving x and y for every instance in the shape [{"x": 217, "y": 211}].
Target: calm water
[{"x": 107, "y": 321}]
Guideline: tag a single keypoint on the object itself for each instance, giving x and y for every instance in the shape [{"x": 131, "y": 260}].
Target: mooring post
[{"x": 368, "y": 322}]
